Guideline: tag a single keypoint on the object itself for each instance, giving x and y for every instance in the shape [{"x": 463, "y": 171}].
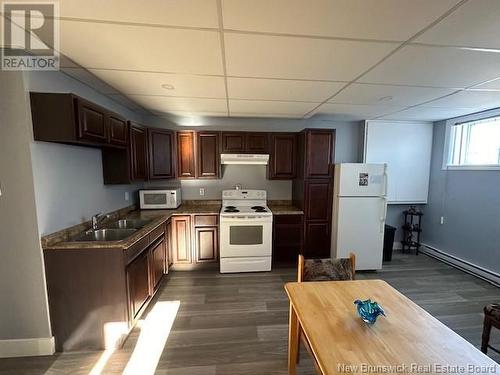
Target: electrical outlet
[
  {"x": 127, "y": 196},
  {"x": 442, "y": 220},
  {"x": 202, "y": 191}
]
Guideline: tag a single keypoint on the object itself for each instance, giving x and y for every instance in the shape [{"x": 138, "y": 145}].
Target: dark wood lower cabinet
[
  {"x": 157, "y": 262},
  {"x": 138, "y": 282},
  {"x": 181, "y": 239},
  {"x": 287, "y": 237},
  {"x": 206, "y": 244},
  {"x": 317, "y": 239}
]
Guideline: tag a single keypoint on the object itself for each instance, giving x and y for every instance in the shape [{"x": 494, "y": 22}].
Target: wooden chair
[
  {"x": 491, "y": 319},
  {"x": 324, "y": 270}
]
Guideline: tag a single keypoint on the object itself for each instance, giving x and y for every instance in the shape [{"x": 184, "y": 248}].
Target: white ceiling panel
[
  {"x": 293, "y": 109},
  {"x": 145, "y": 83},
  {"x": 437, "y": 67},
  {"x": 479, "y": 100},
  {"x": 490, "y": 85},
  {"x": 90, "y": 79},
  {"x": 300, "y": 58},
  {"x": 100, "y": 45},
  {"x": 125, "y": 101},
  {"x": 172, "y": 104},
  {"x": 387, "y": 95},
  {"x": 355, "y": 112},
  {"x": 365, "y": 19},
  {"x": 192, "y": 13},
  {"x": 428, "y": 113},
  {"x": 194, "y": 117},
  {"x": 474, "y": 24},
  {"x": 284, "y": 90}
]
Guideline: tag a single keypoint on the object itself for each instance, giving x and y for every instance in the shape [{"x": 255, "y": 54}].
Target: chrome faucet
[{"x": 96, "y": 219}]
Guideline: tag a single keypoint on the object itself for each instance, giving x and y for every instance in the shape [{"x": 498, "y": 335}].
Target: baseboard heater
[{"x": 463, "y": 265}]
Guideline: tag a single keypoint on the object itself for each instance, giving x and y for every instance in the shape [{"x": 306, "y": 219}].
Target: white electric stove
[{"x": 245, "y": 231}]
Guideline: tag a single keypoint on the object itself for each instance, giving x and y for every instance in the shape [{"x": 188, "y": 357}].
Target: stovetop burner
[
  {"x": 257, "y": 208},
  {"x": 231, "y": 209}
]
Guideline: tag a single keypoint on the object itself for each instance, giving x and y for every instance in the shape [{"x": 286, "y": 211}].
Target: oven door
[{"x": 245, "y": 236}]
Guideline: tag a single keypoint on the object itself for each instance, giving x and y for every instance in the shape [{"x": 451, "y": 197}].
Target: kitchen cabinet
[
  {"x": 138, "y": 152},
  {"x": 161, "y": 154},
  {"x": 208, "y": 157},
  {"x": 282, "y": 158},
  {"x": 244, "y": 142},
  {"x": 312, "y": 189},
  {"x": 185, "y": 154},
  {"x": 157, "y": 262},
  {"x": 181, "y": 239},
  {"x": 169, "y": 253},
  {"x": 287, "y": 237},
  {"x": 118, "y": 130},
  {"x": 70, "y": 119},
  {"x": 206, "y": 238},
  {"x": 138, "y": 282}
]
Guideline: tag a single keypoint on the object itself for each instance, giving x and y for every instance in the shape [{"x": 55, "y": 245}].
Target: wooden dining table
[{"x": 407, "y": 340}]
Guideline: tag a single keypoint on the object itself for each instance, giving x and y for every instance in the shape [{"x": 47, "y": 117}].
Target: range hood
[{"x": 248, "y": 159}]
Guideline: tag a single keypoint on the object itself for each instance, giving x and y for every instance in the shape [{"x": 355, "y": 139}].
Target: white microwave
[{"x": 160, "y": 198}]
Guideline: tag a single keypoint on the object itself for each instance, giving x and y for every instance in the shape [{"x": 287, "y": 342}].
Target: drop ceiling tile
[
  {"x": 124, "y": 47},
  {"x": 90, "y": 79},
  {"x": 404, "y": 96},
  {"x": 300, "y": 58},
  {"x": 193, "y": 115},
  {"x": 479, "y": 100},
  {"x": 436, "y": 67},
  {"x": 146, "y": 83},
  {"x": 269, "y": 108},
  {"x": 192, "y": 13},
  {"x": 474, "y": 24},
  {"x": 171, "y": 104},
  {"x": 350, "y": 112},
  {"x": 284, "y": 90},
  {"x": 366, "y": 19},
  {"x": 125, "y": 101},
  {"x": 490, "y": 85},
  {"x": 422, "y": 113}
]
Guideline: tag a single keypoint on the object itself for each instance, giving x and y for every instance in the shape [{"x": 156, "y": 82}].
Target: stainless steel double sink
[{"x": 115, "y": 231}]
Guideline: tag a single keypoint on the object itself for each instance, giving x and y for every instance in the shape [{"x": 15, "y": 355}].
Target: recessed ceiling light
[
  {"x": 168, "y": 86},
  {"x": 385, "y": 98}
]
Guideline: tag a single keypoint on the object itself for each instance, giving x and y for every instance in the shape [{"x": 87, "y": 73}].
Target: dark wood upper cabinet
[
  {"x": 208, "y": 158},
  {"x": 319, "y": 158},
  {"x": 161, "y": 154},
  {"x": 118, "y": 130},
  {"x": 233, "y": 142},
  {"x": 244, "y": 142},
  {"x": 91, "y": 121},
  {"x": 138, "y": 152},
  {"x": 68, "y": 118},
  {"x": 186, "y": 154},
  {"x": 283, "y": 154}
]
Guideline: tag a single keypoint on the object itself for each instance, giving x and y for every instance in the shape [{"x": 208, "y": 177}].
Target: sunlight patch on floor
[{"x": 155, "y": 330}]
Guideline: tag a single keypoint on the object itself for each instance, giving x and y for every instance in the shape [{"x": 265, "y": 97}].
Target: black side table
[{"x": 412, "y": 229}]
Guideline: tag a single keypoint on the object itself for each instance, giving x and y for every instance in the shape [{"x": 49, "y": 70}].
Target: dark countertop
[{"x": 60, "y": 240}]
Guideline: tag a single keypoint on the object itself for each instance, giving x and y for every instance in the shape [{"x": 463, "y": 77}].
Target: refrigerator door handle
[{"x": 384, "y": 215}]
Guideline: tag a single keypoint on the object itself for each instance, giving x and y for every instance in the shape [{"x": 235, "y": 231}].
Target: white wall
[{"x": 68, "y": 180}]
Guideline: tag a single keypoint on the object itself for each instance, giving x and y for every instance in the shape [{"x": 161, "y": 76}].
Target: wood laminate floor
[{"x": 237, "y": 324}]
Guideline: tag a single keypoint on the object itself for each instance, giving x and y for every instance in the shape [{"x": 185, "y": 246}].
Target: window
[{"x": 475, "y": 143}]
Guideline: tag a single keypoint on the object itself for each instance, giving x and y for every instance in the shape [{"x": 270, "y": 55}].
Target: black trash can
[{"x": 389, "y": 233}]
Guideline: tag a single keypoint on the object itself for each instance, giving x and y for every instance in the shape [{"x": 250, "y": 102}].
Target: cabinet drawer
[
  {"x": 205, "y": 220},
  {"x": 133, "y": 251},
  {"x": 288, "y": 219},
  {"x": 157, "y": 232}
]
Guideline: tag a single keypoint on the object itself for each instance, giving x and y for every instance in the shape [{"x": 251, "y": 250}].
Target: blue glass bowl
[{"x": 368, "y": 310}]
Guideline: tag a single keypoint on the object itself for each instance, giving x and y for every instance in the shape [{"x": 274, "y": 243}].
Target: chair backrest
[{"x": 327, "y": 269}]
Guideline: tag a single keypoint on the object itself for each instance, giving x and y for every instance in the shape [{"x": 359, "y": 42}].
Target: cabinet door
[
  {"x": 317, "y": 239},
  {"x": 319, "y": 153},
  {"x": 283, "y": 154},
  {"x": 185, "y": 155},
  {"x": 138, "y": 282},
  {"x": 287, "y": 237},
  {"x": 206, "y": 244},
  {"x": 233, "y": 142},
  {"x": 157, "y": 263},
  {"x": 138, "y": 153},
  {"x": 170, "y": 255},
  {"x": 161, "y": 161},
  {"x": 208, "y": 163},
  {"x": 91, "y": 122},
  {"x": 318, "y": 202},
  {"x": 181, "y": 239},
  {"x": 256, "y": 143},
  {"x": 118, "y": 130}
]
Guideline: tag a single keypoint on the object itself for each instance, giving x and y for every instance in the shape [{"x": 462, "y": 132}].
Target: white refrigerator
[{"x": 359, "y": 211}]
